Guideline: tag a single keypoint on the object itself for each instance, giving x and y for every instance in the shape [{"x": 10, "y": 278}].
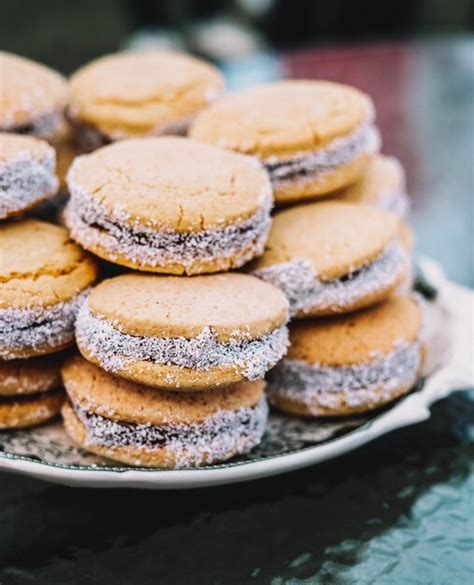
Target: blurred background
[{"x": 67, "y": 34}]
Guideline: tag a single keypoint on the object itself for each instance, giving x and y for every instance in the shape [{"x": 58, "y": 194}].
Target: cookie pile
[
  {"x": 200, "y": 274},
  {"x": 341, "y": 253}
]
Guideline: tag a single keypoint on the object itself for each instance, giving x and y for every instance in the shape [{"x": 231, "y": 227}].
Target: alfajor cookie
[
  {"x": 137, "y": 94},
  {"x": 31, "y": 375},
  {"x": 142, "y": 426},
  {"x": 184, "y": 333},
  {"x": 169, "y": 205},
  {"x": 30, "y": 391},
  {"x": 33, "y": 97},
  {"x": 350, "y": 363},
  {"x": 313, "y": 136},
  {"x": 27, "y": 173},
  {"x": 333, "y": 257},
  {"x": 382, "y": 184},
  {"x": 44, "y": 278}
]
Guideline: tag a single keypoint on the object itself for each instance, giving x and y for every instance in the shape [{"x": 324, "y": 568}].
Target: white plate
[{"x": 289, "y": 443}]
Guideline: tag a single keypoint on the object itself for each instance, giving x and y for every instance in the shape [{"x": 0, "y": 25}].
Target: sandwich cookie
[
  {"x": 350, "y": 363},
  {"x": 333, "y": 257},
  {"x": 30, "y": 391},
  {"x": 27, "y": 173},
  {"x": 313, "y": 136},
  {"x": 137, "y": 94},
  {"x": 382, "y": 184},
  {"x": 142, "y": 426},
  {"x": 44, "y": 278},
  {"x": 184, "y": 333},
  {"x": 32, "y": 99},
  {"x": 169, "y": 205}
]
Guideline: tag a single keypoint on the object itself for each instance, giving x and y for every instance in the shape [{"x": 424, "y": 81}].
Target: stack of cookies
[
  {"x": 176, "y": 347},
  {"x": 341, "y": 253},
  {"x": 44, "y": 276},
  {"x": 182, "y": 353}
]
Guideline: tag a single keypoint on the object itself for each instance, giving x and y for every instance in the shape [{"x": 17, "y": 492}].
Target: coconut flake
[
  {"x": 117, "y": 351},
  {"x": 38, "y": 326},
  {"x": 340, "y": 151},
  {"x": 218, "y": 437},
  {"x": 42, "y": 127},
  {"x": 317, "y": 386},
  {"x": 25, "y": 180},
  {"x": 306, "y": 293}
]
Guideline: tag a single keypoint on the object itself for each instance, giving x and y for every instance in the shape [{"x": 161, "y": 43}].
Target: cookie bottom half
[
  {"x": 17, "y": 412},
  {"x": 315, "y": 390},
  {"x": 217, "y": 438}
]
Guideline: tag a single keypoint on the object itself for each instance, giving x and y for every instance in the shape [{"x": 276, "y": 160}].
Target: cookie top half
[
  {"x": 284, "y": 119},
  {"x": 337, "y": 238},
  {"x": 359, "y": 337},
  {"x": 96, "y": 391},
  {"x": 40, "y": 265},
  {"x": 171, "y": 183},
  {"x": 384, "y": 175},
  {"x": 29, "y": 91},
  {"x": 232, "y": 305},
  {"x": 136, "y": 93},
  {"x": 18, "y": 146}
]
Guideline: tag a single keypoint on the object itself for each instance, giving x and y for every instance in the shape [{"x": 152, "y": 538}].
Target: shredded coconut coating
[
  {"x": 317, "y": 386},
  {"x": 43, "y": 127},
  {"x": 116, "y": 351},
  {"x": 49, "y": 327},
  {"x": 341, "y": 151},
  {"x": 306, "y": 293},
  {"x": 145, "y": 246},
  {"x": 26, "y": 180},
  {"x": 218, "y": 437},
  {"x": 90, "y": 138}
]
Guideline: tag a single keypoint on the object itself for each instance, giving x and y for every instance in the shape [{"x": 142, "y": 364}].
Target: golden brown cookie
[
  {"x": 30, "y": 376},
  {"x": 351, "y": 363},
  {"x": 382, "y": 184},
  {"x": 27, "y": 173},
  {"x": 137, "y": 94},
  {"x": 44, "y": 278},
  {"x": 143, "y": 426},
  {"x": 184, "y": 333},
  {"x": 314, "y": 137},
  {"x": 17, "y": 412},
  {"x": 32, "y": 98},
  {"x": 331, "y": 257},
  {"x": 169, "y": 205}
]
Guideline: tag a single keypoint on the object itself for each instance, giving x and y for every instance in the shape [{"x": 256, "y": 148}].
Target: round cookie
[
  {"x": 382, "y": 184},
  {"x": 169, "y": 205},
  {"x": 33, "y": 97},
  {"x": 44, "y": 278},
  {"x": 333, "y": 257},
  {"x": 142, "y": 426},
  {"x": 30, "y": 376},
  {"x": 137, "y": 94},
  {"x": 19, "y": 412},
  {"x": 27, "y": 173},
  {"x": 314, "y": 137},
  {"x": 350, "y": 363},
  {"x": 184, "y": 333}
]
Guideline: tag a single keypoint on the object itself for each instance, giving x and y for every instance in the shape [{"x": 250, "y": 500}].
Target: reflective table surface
[{"x": 400, "y": 510}]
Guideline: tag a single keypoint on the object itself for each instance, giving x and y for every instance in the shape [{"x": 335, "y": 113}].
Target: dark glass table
[{"x": 400, "y": 510}]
